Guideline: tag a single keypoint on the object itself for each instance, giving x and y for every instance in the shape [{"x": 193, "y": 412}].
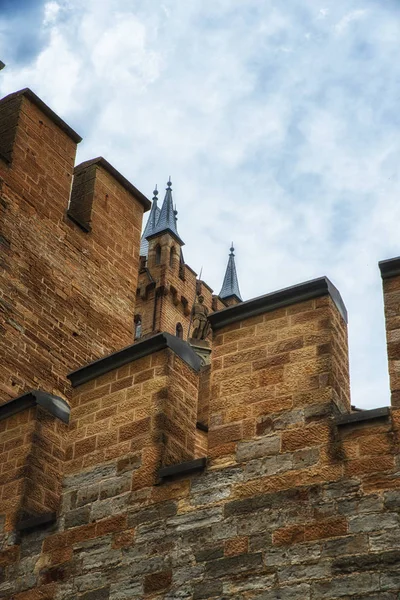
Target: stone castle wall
[{"x": 283, "y": 492}]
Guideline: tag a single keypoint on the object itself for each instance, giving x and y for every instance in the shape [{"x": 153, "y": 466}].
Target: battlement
[
  {"x": 133, "y": 470},
  {"x": 67, "y": 295}
]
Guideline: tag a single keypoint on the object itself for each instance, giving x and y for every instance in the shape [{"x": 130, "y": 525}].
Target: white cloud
[
  {"x": 279, "y": 131},
  {"x": 344, "y": 23},
  {"x": 51, "y": 10}
]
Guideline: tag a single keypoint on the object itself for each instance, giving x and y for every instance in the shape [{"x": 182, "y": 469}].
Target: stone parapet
[
  {"x": 33, "y": 430},
  {"x": 278, "y": 359},
  {"x": 140, "y": 405},
  {"x": 67, "y": 296}
]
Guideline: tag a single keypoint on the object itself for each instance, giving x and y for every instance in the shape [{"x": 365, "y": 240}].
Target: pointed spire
[
  {"x": 150, "y": 225},
  {"x": 230, "y": 287},
  {"x": 167, "y": 220}
]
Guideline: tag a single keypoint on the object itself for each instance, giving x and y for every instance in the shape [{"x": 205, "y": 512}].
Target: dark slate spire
[
  {"x": 167, "y": 219},
  {"x": 230, "y": 287},
  {"x": 150, "y": 225}
]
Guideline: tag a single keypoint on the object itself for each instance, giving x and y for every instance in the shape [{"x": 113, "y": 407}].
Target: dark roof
[
  {"x": 286, "y": 297},
  {"x": 167, "y": 219},
  {"x": 150, "y": 226},
  {"x": 230, "y": 286},
  {"x": 157, "y": 342},
  {"x": 102, "y": 162},
  {"x": 47, "y": 111}
]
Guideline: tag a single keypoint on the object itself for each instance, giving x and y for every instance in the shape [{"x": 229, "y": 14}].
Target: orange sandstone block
[
  {"x": 326, "y": 529},
  {"x": 225, "y": 434},
  {"x": 124, "y": 539},
  {"x": 305, "y": 437},
  {"x": 235, "y": 546},
  {"x": 110, "y": 525},
  {"x": 373, "y": 464},
  {"x": 294, "y": 534}
]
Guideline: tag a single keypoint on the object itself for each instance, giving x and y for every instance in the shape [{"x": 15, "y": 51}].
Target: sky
[{"x": 279, "y": 123}]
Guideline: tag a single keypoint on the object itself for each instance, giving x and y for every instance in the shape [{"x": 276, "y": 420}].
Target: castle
[{"x": 146, "y": 456}]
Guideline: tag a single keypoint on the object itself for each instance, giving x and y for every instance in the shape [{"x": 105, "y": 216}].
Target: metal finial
[
  {"x": 169, "y": 182},
  {"x": 232, "y": 249},
  {"x": 155, "y": 193}
]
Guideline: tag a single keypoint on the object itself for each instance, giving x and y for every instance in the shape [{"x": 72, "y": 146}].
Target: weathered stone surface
[
  {"x": 340, "y": 587},
  {"x": 207, "y": 589},
  {"x": 258, "y": 448},
  {"x": 233, "y": 564}
]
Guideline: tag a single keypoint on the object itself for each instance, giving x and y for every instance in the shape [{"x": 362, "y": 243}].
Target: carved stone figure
[{"x": 201, "y": 326}]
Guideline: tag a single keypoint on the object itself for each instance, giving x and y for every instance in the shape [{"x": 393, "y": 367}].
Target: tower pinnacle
[
  {"x": 230, "y": 286},
  {"x": 150, "y": 225},
  {"x": 167, "y": 220}
]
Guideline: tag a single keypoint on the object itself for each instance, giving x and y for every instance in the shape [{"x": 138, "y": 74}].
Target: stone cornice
[
  {"x": 315, "y": 288},
  {"x": 53, "y": 404},
  {"x": 390, "y": 267},
  {"x": 157, "y": 342}
]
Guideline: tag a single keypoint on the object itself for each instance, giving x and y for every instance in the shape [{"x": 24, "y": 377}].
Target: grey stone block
[
  {"x": 209, "y": 554},
  {"x": 195, "y": 519},
  {"x": 90, "y": 477},
  {"x": 349, "y": 585},
  {"x": 207, "y": 589},
  {"x": 352, "y": 544},
  {"x": 392, "y": 500},
  {"x": 373, "y": 522},
  {"x": 258, "y": 448},
  {"x": 234, "y": 564},
  {"x": 153, "y": 513},
  {"x": 99, "y": 594},
  {"x": 87, "y": 495},
  {"x": 298, "y": 572},
  {"x": 295, "y": 592},
  {"x": 77, "y": 517},
  {"x": 275, "y": 499},
  {"x": 366, "y": 562}
]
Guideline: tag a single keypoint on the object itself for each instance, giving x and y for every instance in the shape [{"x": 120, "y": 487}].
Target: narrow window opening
[
  {"x": 172, "y": 257},
  {"x": 138, "y": 327},
  {"x": 158, "y": 254},
  {"x": 179, "y": 331}
]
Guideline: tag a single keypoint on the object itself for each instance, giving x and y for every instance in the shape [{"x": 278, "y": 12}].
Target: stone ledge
[
  {"x": 53, "y": 404},
  {"x": 46, "y": 110},
  {"x": 363, "y": 415},
  {"x": 315, "y": 288},
  {"x": 183, "y": 468},
  {"x": 102, "y": 162},
  {"x": 390, "y": 267},
  {"x": 150, "y": 345},
  {"x": 37, "y": 521}
]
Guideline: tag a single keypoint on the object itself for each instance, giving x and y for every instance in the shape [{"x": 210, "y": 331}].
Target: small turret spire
[
  {"x": 230, "y": 286},
  {"x": 167, "y": 220},
  {"x": 150, "y": 225}
]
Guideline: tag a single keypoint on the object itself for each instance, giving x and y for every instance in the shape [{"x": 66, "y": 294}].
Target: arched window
[
  {"x": 158, "y": 254},
  {"x": 179, "y": 331},
  {"x": 172, "y": 257},
  {"x": 138, "y": 326}
]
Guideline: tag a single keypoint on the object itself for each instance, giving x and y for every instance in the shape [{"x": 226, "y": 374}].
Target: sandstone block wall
[
  {"x": 32, "y": 455},
  {"x": 390, "y": 271},
  {"x": 66, "y": 296}
]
